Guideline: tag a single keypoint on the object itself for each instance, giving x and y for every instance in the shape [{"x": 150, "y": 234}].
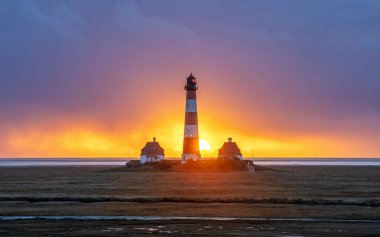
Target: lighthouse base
[{"x": 186, "y": 157}]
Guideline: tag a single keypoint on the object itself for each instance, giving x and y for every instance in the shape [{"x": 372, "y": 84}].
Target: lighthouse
[{"x": 191, "y": 138}]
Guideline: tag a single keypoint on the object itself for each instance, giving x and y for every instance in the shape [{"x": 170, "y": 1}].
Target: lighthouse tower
[{"x": 191, "y": 139}]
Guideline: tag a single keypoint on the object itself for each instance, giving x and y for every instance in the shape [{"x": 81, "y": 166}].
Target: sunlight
[{"x": 204, "y": 145}]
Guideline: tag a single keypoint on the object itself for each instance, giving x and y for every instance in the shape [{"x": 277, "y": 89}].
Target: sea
[{"x": 31, "y": 162}]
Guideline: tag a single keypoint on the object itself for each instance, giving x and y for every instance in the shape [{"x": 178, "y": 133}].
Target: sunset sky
[{"x": 101, "y": 78}]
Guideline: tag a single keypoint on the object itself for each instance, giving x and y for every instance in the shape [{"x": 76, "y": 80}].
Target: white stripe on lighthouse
[
  {"x": 191, "y": 105},
  {"x": 191, "y": 130}
]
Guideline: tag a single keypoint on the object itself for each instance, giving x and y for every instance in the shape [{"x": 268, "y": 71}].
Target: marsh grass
[{"x": 336, "y": 192}]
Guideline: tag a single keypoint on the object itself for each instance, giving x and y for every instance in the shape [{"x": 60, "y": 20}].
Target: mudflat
[{"x": 305, "y": 200}]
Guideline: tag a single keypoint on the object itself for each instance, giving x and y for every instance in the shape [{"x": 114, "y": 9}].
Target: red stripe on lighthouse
[{"x": 191, "y": 118}]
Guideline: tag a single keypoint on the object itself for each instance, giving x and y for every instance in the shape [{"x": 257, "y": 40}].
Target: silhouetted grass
[{"x": 312, "y": 202}]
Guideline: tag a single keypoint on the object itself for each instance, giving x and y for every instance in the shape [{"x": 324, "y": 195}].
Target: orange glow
[
  {"x": 89, "y": 139},
  {"x": 124, "y": 134}
]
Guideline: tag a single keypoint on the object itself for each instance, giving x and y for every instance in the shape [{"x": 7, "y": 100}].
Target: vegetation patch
[{"x": 299, "y": 201}]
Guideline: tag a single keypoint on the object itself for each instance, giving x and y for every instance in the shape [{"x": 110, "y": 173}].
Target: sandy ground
[
  {"x": 349, "y": 184},
  {"x": 185, "y": 228}
]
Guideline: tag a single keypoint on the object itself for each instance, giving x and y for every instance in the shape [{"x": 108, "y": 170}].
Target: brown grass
[{"x": 341, "y": 192}]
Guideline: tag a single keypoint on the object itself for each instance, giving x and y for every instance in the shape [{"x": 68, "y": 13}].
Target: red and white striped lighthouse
[{"x": 191, "y": 138}]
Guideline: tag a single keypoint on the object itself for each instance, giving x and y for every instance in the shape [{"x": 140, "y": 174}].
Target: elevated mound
[{"x": 216, "y": 165}]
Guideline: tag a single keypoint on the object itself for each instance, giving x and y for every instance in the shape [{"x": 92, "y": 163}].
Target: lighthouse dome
[{"x": 191, "y": 83}]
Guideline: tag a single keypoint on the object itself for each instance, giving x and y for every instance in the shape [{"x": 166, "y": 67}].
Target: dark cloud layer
[{"x": 301, "y": 66}]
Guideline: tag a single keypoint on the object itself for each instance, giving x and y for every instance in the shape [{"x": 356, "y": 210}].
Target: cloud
[{"x": 293, "y": 68}]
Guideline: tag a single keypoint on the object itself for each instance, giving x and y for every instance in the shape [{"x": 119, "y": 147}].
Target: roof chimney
[
  {"x": 229, "y": 139},
  {"x": 154, "y": 139}
]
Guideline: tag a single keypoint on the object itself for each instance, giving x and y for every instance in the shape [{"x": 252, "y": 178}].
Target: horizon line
[{"x": 209, "y": 157}]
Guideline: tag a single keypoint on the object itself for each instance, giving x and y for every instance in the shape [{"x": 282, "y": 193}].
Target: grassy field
[{"x": 338, "y": 193}]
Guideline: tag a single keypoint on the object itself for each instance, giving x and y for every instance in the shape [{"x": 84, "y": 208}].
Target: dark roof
[
  {"x": 152, "y": 149},
  {"x": 191, "y": 77},
  {"x": 229, "y": 149}
]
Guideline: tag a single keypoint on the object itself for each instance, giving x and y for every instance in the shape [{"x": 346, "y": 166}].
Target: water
[
  {"x": 61, "y": 162},
  {"x": 319, "y": 162},
  {"x": 17, "y": 162}
]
